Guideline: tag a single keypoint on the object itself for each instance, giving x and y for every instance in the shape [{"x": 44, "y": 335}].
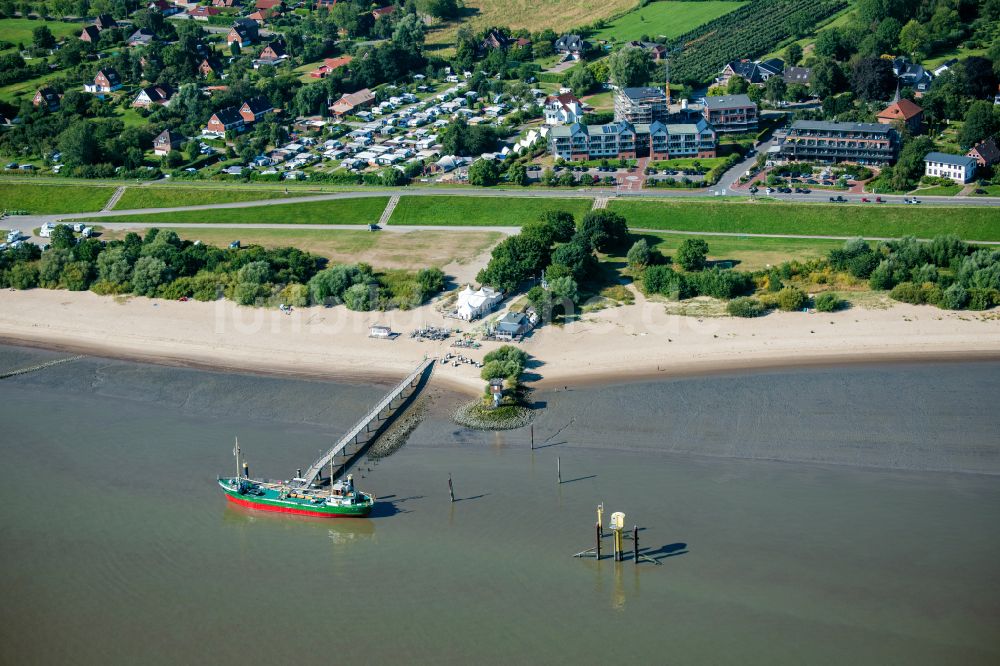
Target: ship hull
[{"x": 280, "y": 506}]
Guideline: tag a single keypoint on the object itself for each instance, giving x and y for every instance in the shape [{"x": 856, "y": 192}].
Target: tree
[
  {"x": 517, "y": 174},
  {"x": 564, "y": 289},
  {"x": 23, "y": 276},
  {"x": 981, "y": 122},
  {"x": 775, "y": 88},
  {"x": 256, "y": 272},
  {"x": 42, "y": 37},
  {"x": 148, "y": 274},
  {"x": 358, "y": 297},
  {"x": 328, "y": 286},
  {"x": 484, "y": 173},
  {"x": 51, "y": 266},
  {"x": 793, "y": 53},
  {"x": 872, "y": 79},
  {"x": 737, "y": 85},
  {"x": 914, "y": 39},
  {"x": 581, "y": 81},
  {"x": 62, "y": 238},
  {"x": 78, "y": 144},
  {"x": 113, "y": 266},
  {"x": 431, "y": 280},
  {"x": 440, "y": 9},
  {"x": 826, "y": 79},
  {"x": 910, "y": 165},
  {"x": 561, "y": 223},
  {"x": 604, "y": 230},
  {"x": 692, "y": 253},
  {"x": 639, "y": 254},
  {"x": 576, "y": 257},
  {"x": 629, "y": 66},
  {"x": 234, "y": 49}
]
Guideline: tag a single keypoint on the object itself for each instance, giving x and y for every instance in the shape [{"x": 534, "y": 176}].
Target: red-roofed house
[
  {"x": 90, "y": 34},
  {"x": 383, "y": 11},
  {"x": 200, "y": 13},
  {"x": 156, "y": 94},
  {"x": 267, "y": 4},
  {"x": 353, "y": 102},
  {"x": 985, "y": 153},
  {"x": 903, "y": 111},
  {"x": 562, "y": 109},
  {"x": 330, "y": 64}
]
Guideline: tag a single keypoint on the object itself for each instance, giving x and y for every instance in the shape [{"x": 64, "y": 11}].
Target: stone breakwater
[
  {"x": 506, "y": 417},
  {"x": 397, "y": 434}
]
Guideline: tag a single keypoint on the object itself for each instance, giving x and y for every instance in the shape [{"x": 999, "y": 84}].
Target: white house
[
  {"x": 562, "y": 109},
  {"x": 474, "y": 304},
  {"x": 959, "y": 168}
]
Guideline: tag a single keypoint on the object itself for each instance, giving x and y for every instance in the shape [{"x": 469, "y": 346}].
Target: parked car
[
  {"x": 838, "y": 199},
  {"x": 865, "y": 200},
  {"x": 879, "y": 200}
]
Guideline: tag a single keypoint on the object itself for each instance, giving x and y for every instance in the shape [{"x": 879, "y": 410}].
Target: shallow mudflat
[{"x": 794, "y": 514}]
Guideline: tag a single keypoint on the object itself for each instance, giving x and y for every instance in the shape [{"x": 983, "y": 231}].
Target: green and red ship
[{"x": 340, "y": 500}]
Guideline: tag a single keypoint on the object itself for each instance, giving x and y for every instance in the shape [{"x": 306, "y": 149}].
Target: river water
[{"x": 820, "y": 516}]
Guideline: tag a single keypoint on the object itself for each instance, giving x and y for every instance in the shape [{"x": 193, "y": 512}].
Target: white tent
[{"x": 474, "y": 304}]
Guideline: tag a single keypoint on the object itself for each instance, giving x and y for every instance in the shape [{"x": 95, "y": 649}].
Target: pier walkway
[{"x": 352, "y": 439}]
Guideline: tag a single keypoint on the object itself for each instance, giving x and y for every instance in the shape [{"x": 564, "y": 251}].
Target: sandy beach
[{"x": 619, "y": 344}]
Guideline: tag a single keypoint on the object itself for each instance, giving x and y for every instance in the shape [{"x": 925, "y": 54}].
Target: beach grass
[
  {"x": 411, "y": 250},
  {"x": 888, "y": 221},
  {"x": 164, "y": 197},
  {"x": 509, "y": 211},
  {"x": 53, "y": 199},
  {"x": 668, "y": 18},
  {"x": 362, "y": 210}
]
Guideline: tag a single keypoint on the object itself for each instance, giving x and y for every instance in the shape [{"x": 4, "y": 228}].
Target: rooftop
[
  {"x": 956, "y": 160},
  {"x": 728, "y": 102},
  {"x": 827, "y": 126}
]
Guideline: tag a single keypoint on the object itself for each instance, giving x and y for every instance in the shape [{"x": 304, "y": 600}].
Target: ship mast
[{"x": 236, "y": 452}]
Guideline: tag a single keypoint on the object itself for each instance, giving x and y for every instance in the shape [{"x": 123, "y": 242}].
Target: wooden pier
[{"x": 360, "y": 435}]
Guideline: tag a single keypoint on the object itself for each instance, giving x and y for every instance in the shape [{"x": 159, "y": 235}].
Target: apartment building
[
  {"x": 640, "y": 105},
  {"x": 731, "y": 113},
  {"x": 624, "y": 140},
  {"x": 821, "y": 141}
]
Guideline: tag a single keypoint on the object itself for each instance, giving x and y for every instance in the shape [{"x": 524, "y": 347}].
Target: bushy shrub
[
  {"x": 745, "y": 306},
  {"x": 791, "y": 299},
  {"x": 359, "y": 297},
  {"x": 296, "y": 295},
  {"x": 907, "y": 292},
  {"x": 983, "y": 299},
  {"x": 723, "y": 284},
  {"x": 829, "y": 302},
  {"x": 954, "y": 297},
  {"x": 692, "y": 253},
  {"x": 23, "y": 276}
]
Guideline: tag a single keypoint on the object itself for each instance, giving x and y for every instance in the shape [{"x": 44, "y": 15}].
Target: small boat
[{"x": 341, "y": 500}]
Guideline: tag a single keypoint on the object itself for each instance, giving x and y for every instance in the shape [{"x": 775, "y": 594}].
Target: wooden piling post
[
  {"x": 599, "y": 535},
  {"x": 635, "y": 544},
  {"x": 451, "y": 489},
  {"x": 532, "y": 436},
  {"x": 558, "y": 470}
]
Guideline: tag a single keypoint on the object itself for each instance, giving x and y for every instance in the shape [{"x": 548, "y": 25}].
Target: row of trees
[{"x": 160, "y": 264}]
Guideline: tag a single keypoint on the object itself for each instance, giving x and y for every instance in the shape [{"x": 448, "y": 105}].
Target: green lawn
[
  {"x": 162, "y": 197},
  {"x": 939, "y": 191},
  {"x": 12, "y": 92},
  {"x": 687, "y": 162},
  {"x": 499, "y": 211},
  {"x": 17, "y": 30},
  {"x": 750, "y": 253},
  {"x": 991, "y": 191},
  {"x": 48, "y": 199},
  {"x": 363, "y": 210},
  {"x": 668, "y": 18},
  {"x": 974, "y": 223}
]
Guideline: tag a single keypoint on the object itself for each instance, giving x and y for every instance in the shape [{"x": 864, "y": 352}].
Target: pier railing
[{"x": 352, "y": 434}]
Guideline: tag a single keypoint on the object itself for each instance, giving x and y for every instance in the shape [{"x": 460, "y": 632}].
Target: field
[
  {"x": 411, "y": 250},
  {"x": 51, "y": 199},
  {"x": 534, "y": 15},
  {"x": 509, "y": 211},
  {"x": 18, "y": 31},
  {"x": 668, "y": 18},
  {"x": 750, "y": 254},
  {"x": 362, "y": 210},
  {"x": 12, "y": 92},
  {"x": 972, "y": 223},
  {"x": 163, "y": 197},
  {"x": 688, "y": 162}
]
